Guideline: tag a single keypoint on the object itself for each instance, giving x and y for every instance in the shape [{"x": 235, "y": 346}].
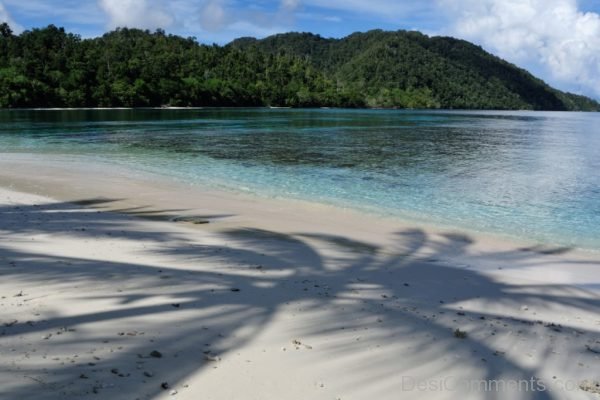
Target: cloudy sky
[{"x": 558, "y": 40}]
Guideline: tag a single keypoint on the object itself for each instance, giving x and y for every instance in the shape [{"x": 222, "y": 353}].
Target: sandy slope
[{"x": 271, "y": 299}]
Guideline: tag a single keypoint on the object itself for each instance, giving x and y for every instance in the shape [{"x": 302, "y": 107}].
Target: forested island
[{"x": 49, "y": 67}]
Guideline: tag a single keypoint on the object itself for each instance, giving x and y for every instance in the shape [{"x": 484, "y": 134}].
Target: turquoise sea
[{"x": 533, "y": 175}]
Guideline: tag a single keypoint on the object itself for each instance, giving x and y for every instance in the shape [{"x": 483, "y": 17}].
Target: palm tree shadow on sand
[{"x": 377, "y": 320}]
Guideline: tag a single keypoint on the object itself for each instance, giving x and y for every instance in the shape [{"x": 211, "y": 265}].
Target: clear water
[{"x": 532, "y": 175}]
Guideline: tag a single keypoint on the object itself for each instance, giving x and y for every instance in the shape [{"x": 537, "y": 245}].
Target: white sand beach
[{"x": 116, "y": 285}]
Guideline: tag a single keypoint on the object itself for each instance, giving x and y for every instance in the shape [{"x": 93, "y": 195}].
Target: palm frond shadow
[{"x": 380, "y": 305}]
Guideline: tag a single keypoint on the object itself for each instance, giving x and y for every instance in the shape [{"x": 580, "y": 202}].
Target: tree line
[{"x": 49, "y": 67}]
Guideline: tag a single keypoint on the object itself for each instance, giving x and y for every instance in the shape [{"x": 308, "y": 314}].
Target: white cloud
[
  {"x": 5, "y": 17},
  {"x": 332, "y": 18},
  {"x": 57, "y": 12},
  {"x": 388, "y": 10},
  {"x": 145, "y": 14},
  {"x": 214, "y": 16},
  {"x": 551, "y": 34},
  {"x": 244, "y": 28},
  {"x": 225, "y": 20},
  {"x": 289, "y": 5}
]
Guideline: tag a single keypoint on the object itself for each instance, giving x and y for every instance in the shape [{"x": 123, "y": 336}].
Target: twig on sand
[
  {"x": 593, "y": 350},
  {"x": 36, "y": 379}
]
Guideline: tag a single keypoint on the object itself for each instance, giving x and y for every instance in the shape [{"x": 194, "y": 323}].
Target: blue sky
[{"x": 558, "y": 40}]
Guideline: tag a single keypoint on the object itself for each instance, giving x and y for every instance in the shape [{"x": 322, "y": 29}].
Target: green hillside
[
  {"x": 129, "y": 67},
  {"x": 409, "y": 69}
]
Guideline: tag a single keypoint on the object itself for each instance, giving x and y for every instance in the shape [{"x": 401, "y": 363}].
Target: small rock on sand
[
  {"x": 210, "y": 357},
  {"x": 595, "y": 350},
  {"x": 590, "y": 386}
]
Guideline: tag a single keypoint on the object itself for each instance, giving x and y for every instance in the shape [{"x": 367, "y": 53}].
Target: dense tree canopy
[{"x": 133, "y": 68}]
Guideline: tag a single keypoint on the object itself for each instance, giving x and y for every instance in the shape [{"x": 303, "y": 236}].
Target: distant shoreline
[{"x": 286, "y": 108}]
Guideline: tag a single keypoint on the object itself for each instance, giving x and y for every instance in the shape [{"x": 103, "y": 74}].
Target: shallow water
[{"x": 528, "y": 175}]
